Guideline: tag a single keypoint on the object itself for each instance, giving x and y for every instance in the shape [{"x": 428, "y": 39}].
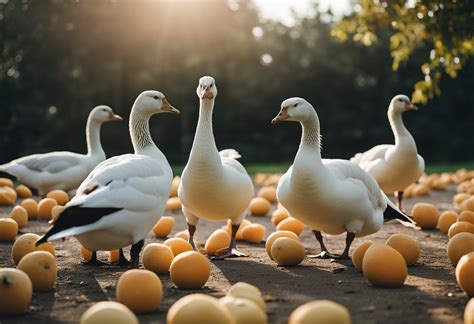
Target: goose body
[
  {"x": 123, "y": 197},
  {"x": 63, "y": 170},
  {"x": 397, "y": 166},
  {"x": 214, "y": 185},
  {"x": 330, "y": 196},
  {"x": 335, "y": 199},
  {"x": 137, "y": 186},
  {"x": 216, "y": 193}
]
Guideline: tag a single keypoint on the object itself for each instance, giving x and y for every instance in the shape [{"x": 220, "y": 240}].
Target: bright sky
[{"x": 281, "y": 9}]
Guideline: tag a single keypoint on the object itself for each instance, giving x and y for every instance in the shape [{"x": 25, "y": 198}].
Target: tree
[
  {"x": 446, "y": 27},
  {"x": 58, "y": 59}
]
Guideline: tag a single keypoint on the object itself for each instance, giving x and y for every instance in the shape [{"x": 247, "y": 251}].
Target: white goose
[
  {"x": 63, "y": 170},
  {"x": 214, "y": 185},
  {"x": 124, "y": 196},
  {"x": 397, "y": 166},
  {"x": 331, "y": 196}
]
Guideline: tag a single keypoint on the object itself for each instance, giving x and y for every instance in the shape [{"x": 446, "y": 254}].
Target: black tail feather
[
  {"x": 5, "y": 174},
  {"x": 392, "y": 213},
  {"x": 76, "y": 216},
  {"x": 43, "y": 239}
]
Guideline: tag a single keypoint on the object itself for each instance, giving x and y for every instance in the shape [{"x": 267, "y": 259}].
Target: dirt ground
[{"x": 430, "y": 293}]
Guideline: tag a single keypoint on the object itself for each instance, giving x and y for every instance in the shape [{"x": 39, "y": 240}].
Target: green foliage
[{"x": 446, "y": 26}]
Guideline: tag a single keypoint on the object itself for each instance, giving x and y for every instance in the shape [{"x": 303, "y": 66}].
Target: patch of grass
[
  {"x": 253, "y": 168},
  {"x": 449, "y": 167},
  {"x": 177, "y": 169}
]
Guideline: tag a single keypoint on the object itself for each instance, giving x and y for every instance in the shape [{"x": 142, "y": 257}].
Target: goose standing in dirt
[
  {"x": 214, "y": 185},
  {"x": 63, "y": 170},
  {"x": 395, "y": 167},
  {"x": 123, "y": 197},
  {"x": 330, "y": 196}
]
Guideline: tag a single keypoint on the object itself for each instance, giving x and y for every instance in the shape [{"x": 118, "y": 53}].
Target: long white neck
[
  {"x": 308, "y": 159},
  {"x": 403, "y": 138},
  {"x": 139, "y": 127},
  {"x": 310, "y": 137},
  {"x": 94, "y": 147},
  {"x": 204, "y": 152}
]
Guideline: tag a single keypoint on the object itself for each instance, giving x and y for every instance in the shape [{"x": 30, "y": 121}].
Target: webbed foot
[
  {"x": 231, "y": 253},
  {"x": 94, "y": 262},
  {"x": 323, "y": 255}
]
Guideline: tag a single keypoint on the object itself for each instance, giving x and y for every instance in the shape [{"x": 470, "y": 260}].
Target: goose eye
[
  {"x": 211, "y": 86},
  {"x": 295, "y": 105},
  {"x": 156, "y": 97},
  {"x": 400, "y": 100}
]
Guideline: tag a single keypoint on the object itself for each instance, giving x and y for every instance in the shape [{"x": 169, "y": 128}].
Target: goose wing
[
  {"x": 372, "y": 158},
  {"x": 375, "y": 153},
  {"x": 127, "y": 182},
  {"x": 229, "y": 157},
  {"x": 53, "y": 162},
  {"x": 346, "y": 170}
]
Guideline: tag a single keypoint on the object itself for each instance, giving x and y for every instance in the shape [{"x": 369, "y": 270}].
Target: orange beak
[
  {"x": 412, "y": 106},
  {"x": 207, "y": 94},
  {"x": 168, "y": 108},
  {"x": 114, "y": 117},
  {"x": 282, "y": 115}
]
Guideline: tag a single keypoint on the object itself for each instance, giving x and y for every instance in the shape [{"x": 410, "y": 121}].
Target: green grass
[
  {"x": 177, "y": 169},
  {"x": 253, "y": 168},
  {"x": 267, "y": 168},
  {"x": 449, "y": 167}
]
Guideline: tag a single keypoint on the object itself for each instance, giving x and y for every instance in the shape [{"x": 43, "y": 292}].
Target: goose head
[
  {"x": 401, "y": 103},
  {"x": 104, "y": 114},
  {"x": 294, "y": 109},
  {"x": 153, "y": 102},
  {"x": 206, "y": 88}
]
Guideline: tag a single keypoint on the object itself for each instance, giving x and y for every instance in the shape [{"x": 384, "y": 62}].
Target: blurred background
[{"x": 60, "y": 58}]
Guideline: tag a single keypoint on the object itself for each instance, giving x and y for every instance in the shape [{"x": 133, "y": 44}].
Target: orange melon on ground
[
  {"x": 190, "y": 270},
  {"x": 16, "y": 291},
  {"x": 40, "y": 266},
  {"x": 384, "y": 266},
  {"x": 8, "y": 229},
  {"x": 140, "y": 290}
]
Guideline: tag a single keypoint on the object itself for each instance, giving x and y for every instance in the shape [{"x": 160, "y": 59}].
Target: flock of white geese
[{"x": 123, "y": 197}]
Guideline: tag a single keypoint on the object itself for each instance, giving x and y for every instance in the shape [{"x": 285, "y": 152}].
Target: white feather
[
  {"x": 214, "y": 185},
  {"x": 230, "y": 154},
  {"x": 62, "y": 170},
  {"x": 332, "y": 196},
  {"x": 138, "y": 184},
  {"x": 397, "y": 166}
]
